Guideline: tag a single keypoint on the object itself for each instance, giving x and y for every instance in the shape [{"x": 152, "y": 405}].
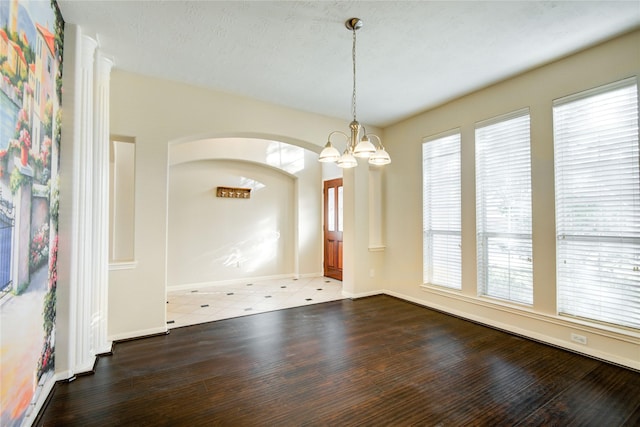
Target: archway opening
[{"x": 261, "y": 251}]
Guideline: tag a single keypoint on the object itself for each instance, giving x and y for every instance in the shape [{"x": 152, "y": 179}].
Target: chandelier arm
[
  {"x": 339, "y": 132},
  {"x": 346, "y": 137},
  {"x": 377, "y": 137}
]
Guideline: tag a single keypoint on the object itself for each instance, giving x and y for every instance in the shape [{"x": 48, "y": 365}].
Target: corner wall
[
  {"x": 605, "y": 63},
  {"x": 158, "y": 112}
]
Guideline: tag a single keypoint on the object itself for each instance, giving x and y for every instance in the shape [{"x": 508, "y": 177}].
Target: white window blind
[
  {"x": 597, "y": 182},
  {"x": 503, "y": 208},
  {"x": 441, "y": 210}
]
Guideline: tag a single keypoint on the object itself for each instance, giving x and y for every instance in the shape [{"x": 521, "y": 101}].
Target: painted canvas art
[{"x": 31, "y": 35}]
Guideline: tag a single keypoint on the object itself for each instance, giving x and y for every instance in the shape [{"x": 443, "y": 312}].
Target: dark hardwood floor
[{"x": 372, "y": 361}]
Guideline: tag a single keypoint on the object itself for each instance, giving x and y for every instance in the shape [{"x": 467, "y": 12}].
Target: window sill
[
  {"x": 124, "y": 265},
  {"x": 596, "y": 328}
]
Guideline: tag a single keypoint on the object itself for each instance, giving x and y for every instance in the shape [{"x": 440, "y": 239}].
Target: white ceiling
[{"x": 411, "y": 55}]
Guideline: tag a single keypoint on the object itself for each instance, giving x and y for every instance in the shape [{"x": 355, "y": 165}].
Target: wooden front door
[{"x": 333, "y": 228}]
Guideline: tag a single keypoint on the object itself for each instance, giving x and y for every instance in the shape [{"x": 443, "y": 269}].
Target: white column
[
  {"x": 81, "y": 277},
  {"x": 349, "y": 234},
  {"x": 100, "y": 196},
  {"x": 376, "y": 242}
]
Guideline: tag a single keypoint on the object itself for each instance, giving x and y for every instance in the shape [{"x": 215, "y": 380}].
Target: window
[
  {"x": 597, "y": 183},
  {"x": 441, "y": 210},
  {"x": 503, "y": 208}
]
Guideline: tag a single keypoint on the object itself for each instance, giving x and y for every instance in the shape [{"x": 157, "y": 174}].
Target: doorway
[{"x": 333, "y": 227}]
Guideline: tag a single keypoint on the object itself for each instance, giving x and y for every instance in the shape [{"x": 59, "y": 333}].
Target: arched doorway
[{"x": 272, "y": 238}]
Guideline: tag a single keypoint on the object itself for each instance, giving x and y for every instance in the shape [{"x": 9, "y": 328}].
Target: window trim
[
  {"x": 482, "y": 268},
  {"x": 598, "y": 318},
  {"x": 426, "y": 140}
]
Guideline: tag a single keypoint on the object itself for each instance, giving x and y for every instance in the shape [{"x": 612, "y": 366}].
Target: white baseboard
[
  {"x": 568, "y": 345},
  {"x": 138, "y": 334},
  {"x": 362, "y": 294},
  {"x": 86, "y": 368},
  {"x": 108, "y": 347},
  {"x": 238, "y": 281},
  {"x": 63, "y": 376},
  {"x": 310, "y": 275}
]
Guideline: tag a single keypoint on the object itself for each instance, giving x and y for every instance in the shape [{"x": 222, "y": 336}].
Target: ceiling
[{"x": 411, "y": 55}]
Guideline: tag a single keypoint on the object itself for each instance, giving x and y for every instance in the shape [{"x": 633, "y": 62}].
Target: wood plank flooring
[{"x": 373, "y": 361}]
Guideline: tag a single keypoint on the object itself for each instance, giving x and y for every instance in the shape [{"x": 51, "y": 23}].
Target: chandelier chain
[
  {"x": 353, "y": 54},
  {"x": 356, "y": 146}
]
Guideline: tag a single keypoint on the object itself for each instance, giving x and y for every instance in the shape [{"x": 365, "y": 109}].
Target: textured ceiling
[{"x": 412, "y": 55}]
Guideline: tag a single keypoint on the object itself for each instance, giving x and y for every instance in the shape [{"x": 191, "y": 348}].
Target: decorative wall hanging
[{"x": 233, "y": 193}]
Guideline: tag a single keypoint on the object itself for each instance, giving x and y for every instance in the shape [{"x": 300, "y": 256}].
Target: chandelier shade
[
  {"x": 380, "y": 157},
  {"x": 329, "y": 153},
  {"x": 359, "y": 141},
  {"x": 347, "y": 160},
  {"x": 364, "y": 148}
]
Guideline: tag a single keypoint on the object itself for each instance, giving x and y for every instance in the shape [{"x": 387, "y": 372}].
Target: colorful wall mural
[{"x": 31, "y": 35}]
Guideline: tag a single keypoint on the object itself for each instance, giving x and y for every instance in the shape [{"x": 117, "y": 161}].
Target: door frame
[{"x": 332, "y": 239}]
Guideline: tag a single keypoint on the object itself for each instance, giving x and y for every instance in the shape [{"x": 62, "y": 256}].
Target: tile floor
[{"x": 190, "y": 307}]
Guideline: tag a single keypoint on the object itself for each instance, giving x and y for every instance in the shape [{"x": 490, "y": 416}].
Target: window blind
[
  {"x": 597, "y": 181},
  {"x": 503, "y": 207},
  {"x": 441, "y": 208}
]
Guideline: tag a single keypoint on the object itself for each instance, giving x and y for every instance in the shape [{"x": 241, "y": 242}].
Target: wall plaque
[{"x": 233, "y": 193}]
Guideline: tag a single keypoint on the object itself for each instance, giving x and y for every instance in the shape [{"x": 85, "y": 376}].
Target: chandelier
[{"x": 358, "y": 143}]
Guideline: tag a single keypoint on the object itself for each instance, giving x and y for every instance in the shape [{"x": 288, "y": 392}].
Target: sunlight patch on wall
[
  {"x": 251, "y": 254},
  {"x": 287, "y": 157},
  {"x": 280, "y": 155},
  {"x": 251, "y": 183}
]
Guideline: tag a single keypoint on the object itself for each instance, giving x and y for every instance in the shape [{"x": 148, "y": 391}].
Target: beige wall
[
  {"x": 537, "y": 89},
  {"x": 257, "y": 157},
  {"x": 213, "y": 239},
  {"x": 159, "y": 114}
]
